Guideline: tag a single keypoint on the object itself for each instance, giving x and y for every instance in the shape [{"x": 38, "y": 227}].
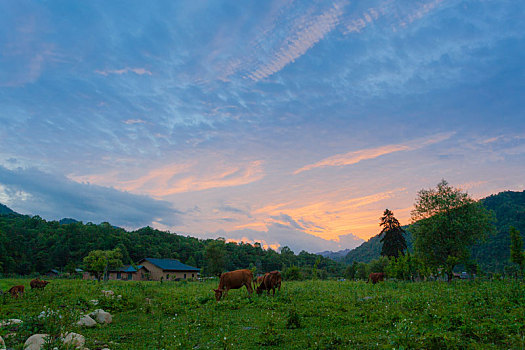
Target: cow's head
[
  {"x": 45, "y": 283},
  {"x": 218, "y": 294}
]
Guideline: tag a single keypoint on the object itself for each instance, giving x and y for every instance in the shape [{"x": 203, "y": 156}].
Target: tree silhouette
[{"x": 394, "y": 242}]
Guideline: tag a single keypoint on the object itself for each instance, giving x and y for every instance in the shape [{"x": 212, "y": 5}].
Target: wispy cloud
[
  {"x": 355, "y": 157},
  {"x": 138, "y": 71},
  {"x": 306, "y": 33},
  {"x": 134, "y": 121}
]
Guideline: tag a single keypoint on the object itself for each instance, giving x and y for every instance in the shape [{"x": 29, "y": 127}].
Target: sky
[{"x": 289, "y": 123}]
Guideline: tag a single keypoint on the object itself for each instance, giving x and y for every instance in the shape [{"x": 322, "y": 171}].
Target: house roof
[
  {"x": 170, "y": 264},
  {"x": 128, "y": 268}
]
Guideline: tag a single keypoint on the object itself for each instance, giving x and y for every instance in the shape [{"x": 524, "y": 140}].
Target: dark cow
[
  {"x": 38, "y": 284},
  {"x": 376, "y": 277},
  {"x": 234, "y": 280},
  {"x": 16, "y": 291},
  {"x": 271, "y": 280}
]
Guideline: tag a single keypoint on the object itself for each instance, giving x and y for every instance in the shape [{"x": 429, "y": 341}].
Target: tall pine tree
[{"x": 394, "y": 242}]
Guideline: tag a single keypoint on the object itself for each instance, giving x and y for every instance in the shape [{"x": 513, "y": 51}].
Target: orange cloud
[
  {"x": 263, "y": 243},
  {"x": 179, "y": 178},
  {"x": 330, "y": 219},
  {"x": 355, "y": 157}
]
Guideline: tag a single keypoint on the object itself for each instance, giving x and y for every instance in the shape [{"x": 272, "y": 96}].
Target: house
[
  {"x": 53, "y": 273},
  {"x": 168, "y": 269},
  {"x": 129, "y": 273}
]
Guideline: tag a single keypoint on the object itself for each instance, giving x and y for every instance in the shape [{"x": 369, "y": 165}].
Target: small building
[
  {"x": 53, "y": 273},
  {"x": 168, "y": 269},
  {"x": 129, "y": 273}
]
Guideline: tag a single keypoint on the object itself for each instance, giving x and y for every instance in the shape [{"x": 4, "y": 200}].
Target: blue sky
[{"x": 284, "y": 122}]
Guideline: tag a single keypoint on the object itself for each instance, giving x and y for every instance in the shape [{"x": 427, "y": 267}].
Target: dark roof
[
  {"x": 170, "y": 264},
  {"x": 128, "y": 268}
]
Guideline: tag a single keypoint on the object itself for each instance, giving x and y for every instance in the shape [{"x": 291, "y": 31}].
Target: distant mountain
[
  {"x": 66, "y": 221},
  {"x": 5, "y": 210},
  {"x": 491, "y": 255},
  {"x": 339, "y": 255}
]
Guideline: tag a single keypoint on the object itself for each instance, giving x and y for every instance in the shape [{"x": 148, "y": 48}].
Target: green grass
[{"x": 304, "y": 315}]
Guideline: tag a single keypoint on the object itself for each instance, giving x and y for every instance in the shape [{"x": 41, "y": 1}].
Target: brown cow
[
  {"x": 376, "y": 277},
  {"x": 16, "y": 291},
  {"x": 271, "y": 280},
  {"x": 234, "y": 280},
  {"x": 38, "y": 284}
]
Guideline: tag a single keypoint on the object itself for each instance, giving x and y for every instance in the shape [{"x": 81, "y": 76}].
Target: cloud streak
[
  {"x": 355, "y": 157},
  {"x": 138, "y": 71},
  {"x": 306, "y": 33}
]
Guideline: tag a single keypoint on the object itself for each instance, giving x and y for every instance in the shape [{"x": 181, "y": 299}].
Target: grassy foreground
[{"x": 304, "y": 315}]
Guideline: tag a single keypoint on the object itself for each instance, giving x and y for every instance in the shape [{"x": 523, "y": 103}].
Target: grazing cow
[
  {"x": 38, "y": 284},
  {"x": 271, "y": 280},
  {"x": 16, "y": 291},
  {"x": 376, "y": 277},
  {"x": 234, "y": 280}
]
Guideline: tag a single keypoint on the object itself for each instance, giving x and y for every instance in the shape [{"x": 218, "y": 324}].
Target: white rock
[
  {"x": 101, "y": 316},
  {"x": 94, "y": 302},
  {"x": 86, "y": 321},
  {"x": 10, "y": 322},
  {"x": 35, "y": 342},
  {"x": 74, "y": 339},
  {"x": 108, "y": 293},
  {"x": 2, "y": 344}
]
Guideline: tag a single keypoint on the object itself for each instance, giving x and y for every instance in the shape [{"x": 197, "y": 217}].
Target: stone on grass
[
  {"x": 35, "y": 342},
  {"x": 74, "y": 339},
  {"x": 101, "y": 316},
  {"x": 2, "y": 344},
  {"x": 87, "y": 321},
  {"x": 108, "y": 293},
  {"x": 10, "y": 322}
]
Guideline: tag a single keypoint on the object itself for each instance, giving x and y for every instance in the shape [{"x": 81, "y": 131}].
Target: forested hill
[
  {"x": 34, "y": 245},
  {"x": 492, "y": 255},
  {"x": 5, "y": 210}
]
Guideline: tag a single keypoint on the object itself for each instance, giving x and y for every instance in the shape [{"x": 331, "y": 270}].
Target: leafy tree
[
  {"x": 215, "y": 257},
  {"x": 292, "y": 273},
  {"x": 446, "y": 222},
  {"x": 363, "y": 271},
  {"x": 516, "y": 246},
  {"x": 351, "y": 271},
  {"x": 394, "y": 242},
  {"x": 98, "y": 262}
]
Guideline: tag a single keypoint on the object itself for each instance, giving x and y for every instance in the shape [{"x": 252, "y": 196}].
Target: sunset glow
[{"x": 288, "y": 123}]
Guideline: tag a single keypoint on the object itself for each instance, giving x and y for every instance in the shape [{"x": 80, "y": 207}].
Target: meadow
[{"x": 303, "y": 315}]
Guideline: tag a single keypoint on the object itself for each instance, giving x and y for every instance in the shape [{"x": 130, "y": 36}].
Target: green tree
[
  {"x": 394, "y": 242},
  {"x": 292, "y": 273},
  {"x": 98, "y": 262},
  {"x": 215, "y": 257},
  {"x": 351, "y": 271},
  {"x": 446, "y": 222},
  {"x": 516, "y": 248}
]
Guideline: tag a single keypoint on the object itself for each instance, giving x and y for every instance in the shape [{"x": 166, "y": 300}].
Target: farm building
[
  {"x": 129, "y": 273},
  {"x": 168, "y": 269},
  {"x": 151, "y": 269}
]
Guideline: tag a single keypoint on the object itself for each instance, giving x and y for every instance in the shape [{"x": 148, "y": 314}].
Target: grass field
[{"x": 304, "y": 315}]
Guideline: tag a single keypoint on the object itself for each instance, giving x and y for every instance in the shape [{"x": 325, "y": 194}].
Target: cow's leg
[{"x": 249, "y": 288}]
